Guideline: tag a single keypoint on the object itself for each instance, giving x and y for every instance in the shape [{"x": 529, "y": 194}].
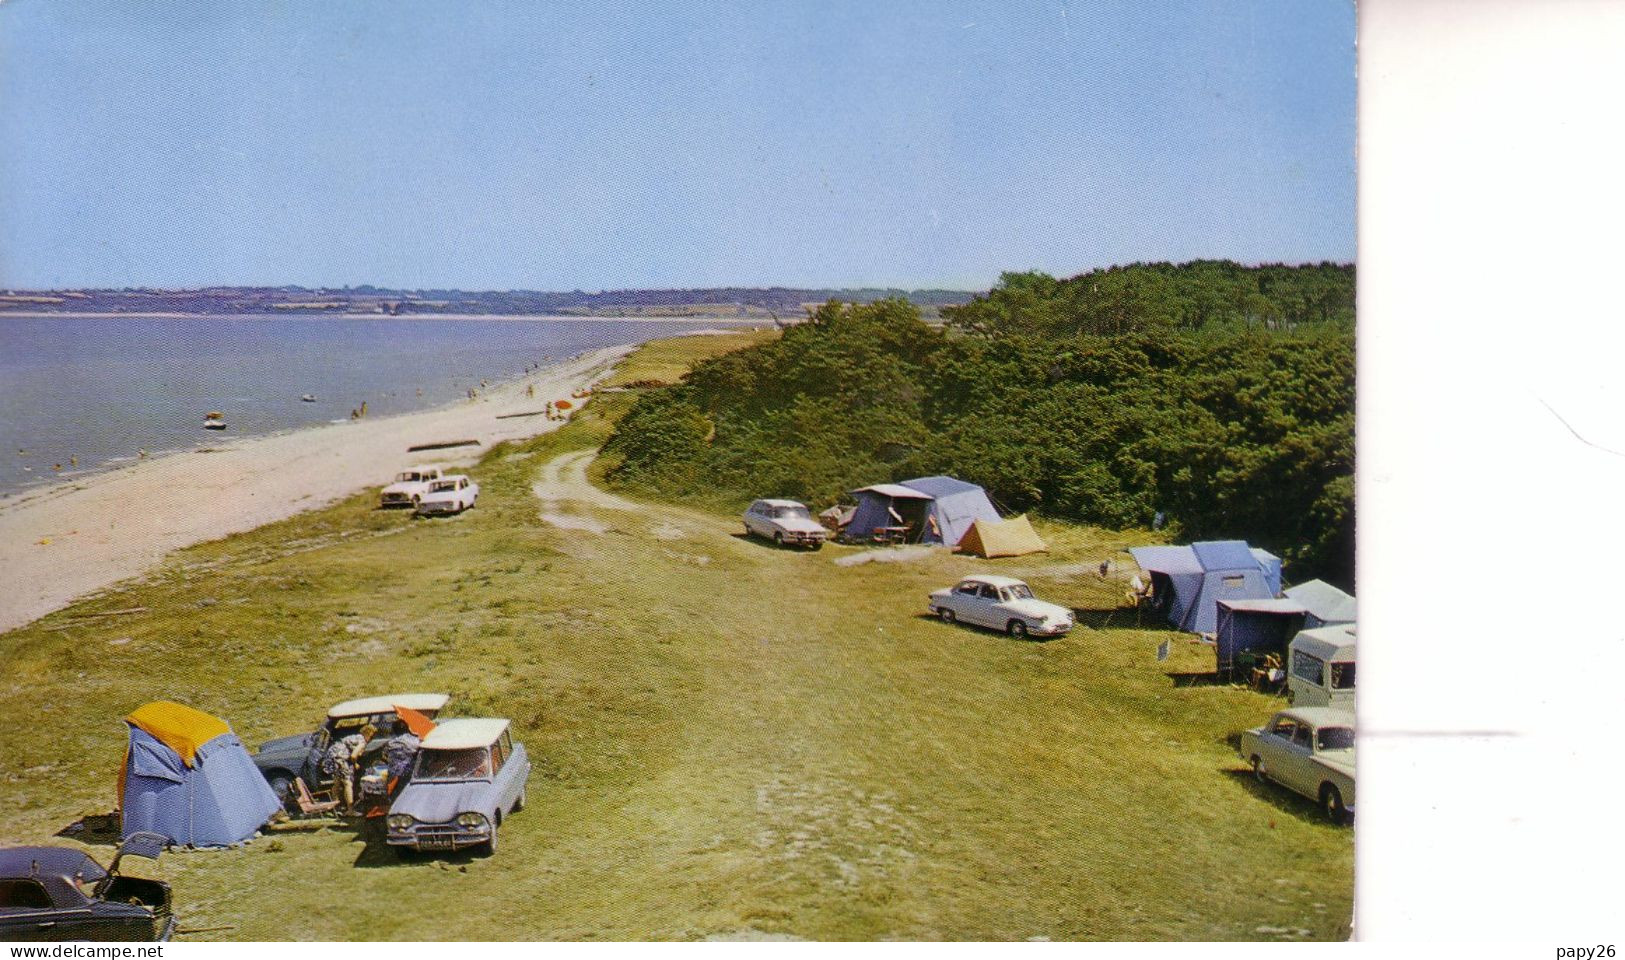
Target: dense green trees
[
  {"x": 1213, "y": 394},
  {"x": 1155, "y": 296}
]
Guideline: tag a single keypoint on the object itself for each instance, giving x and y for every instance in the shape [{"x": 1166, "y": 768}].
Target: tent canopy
[
  {"x": 895, "y": 490},
  {"x": 178, "y": 727},
  {"x": 212, "y": 796},
  {"x": 1189, "y": 581},
  {"x": 1001, "y": 538},
  {"x": 1325, "y": 603},
  {"x": 933, "y": 509}
]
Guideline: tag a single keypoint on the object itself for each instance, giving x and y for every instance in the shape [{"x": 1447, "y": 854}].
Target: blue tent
[
  {"x": 187, "y": 778},
  {"x": 932, "y": 509},
  {"x": 1255, "y": 626},
  {"x": 1188, "y": 581}
]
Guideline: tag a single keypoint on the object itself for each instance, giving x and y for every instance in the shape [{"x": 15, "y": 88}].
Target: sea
[{"x": 84, "y": 394}]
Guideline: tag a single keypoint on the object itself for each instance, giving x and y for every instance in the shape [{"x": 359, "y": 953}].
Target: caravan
[{"x": 1320, "y": 667}]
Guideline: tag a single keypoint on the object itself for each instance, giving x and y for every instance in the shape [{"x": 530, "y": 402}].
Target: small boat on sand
[{"x": 214, "y": 420}]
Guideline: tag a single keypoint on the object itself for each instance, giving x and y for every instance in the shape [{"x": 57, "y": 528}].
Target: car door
[
  {"x": 1000, "y": 613},
  {"x": 963, "y": 601},
  {"x": 1274, "y": 748},
  {"x": 27, "y": 912},
  {"x": 753, "y": 519},
  {"x": 987, "y": 597},
  {"x": 1298, "y": 760},
  {"x": 312, "y": 771}
]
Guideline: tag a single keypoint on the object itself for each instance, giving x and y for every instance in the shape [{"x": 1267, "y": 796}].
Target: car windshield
[
  {"x": 472, "y": 764},
  {"x": 440, "y": 485},
  {"x": 791, "y": 513},
  {"x": 407, "y": 477},
  {"x": 1335, "y": 738},
  {"x": 1018, "y": 592}
]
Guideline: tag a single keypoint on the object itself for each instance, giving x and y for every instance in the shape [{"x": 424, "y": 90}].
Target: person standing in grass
[{"x": 339, "y": 763}]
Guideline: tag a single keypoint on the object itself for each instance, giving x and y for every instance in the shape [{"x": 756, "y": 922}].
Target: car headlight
[
  {"x": 399, "y": 821},
  {"x": 473, "y": 821}
]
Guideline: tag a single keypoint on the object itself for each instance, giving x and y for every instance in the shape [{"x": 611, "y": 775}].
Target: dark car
[
  {"x": 283, "y": 759},
  {"x": 58, "y": 893}
]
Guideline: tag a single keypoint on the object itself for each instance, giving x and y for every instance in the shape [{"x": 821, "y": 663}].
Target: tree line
[{"x": 1230, "y": 420}]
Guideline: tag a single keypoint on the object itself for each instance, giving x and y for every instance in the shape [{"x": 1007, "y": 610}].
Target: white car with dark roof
[{"x": 1000, "y": 603}]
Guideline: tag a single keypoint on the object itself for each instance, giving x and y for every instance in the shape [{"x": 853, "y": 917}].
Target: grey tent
[
  {"x": 923, "y": 510},
  {"x": 1188, "y": 581},
  {"x": 1325, "y": 604}
]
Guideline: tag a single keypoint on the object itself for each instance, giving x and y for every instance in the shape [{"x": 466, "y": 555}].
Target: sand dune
[{"x": 64, "y": 541}]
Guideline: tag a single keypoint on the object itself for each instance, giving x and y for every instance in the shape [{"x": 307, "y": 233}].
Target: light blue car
[{"x": 469, "y": 775}]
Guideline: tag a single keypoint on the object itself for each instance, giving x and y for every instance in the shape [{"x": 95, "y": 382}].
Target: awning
[{"x": 896, "y": 491}]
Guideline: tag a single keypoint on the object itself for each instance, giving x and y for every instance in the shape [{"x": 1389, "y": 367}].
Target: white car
[
  {"x": 1002, "y": 603},
  {"x": 785, "y": 522},
  {"x": 1310, "y": 751},
  {"x": 409, "y": 487},
  {"x": 450, "y": 494}
]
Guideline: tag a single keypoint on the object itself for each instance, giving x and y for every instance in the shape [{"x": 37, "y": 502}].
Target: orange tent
[{"x": 1003, "y": 538}]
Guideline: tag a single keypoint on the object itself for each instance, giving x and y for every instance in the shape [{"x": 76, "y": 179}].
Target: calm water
[{"x": 102, "y": 389}]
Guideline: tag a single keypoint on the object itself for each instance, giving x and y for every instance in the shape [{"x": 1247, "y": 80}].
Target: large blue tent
[
  {"x": 924, "y": 510},
  {"x": 187, "y": 778},
  {"x": 1189, "y": 581}
]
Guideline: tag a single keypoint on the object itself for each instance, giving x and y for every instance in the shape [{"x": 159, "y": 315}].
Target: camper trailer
[{"x": 1320, "y": 667}]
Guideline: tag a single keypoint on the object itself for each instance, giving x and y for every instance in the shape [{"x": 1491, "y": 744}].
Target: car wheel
[
  {"x": 282, "y": 786},
  {"x": 1018, "y": 629},
  {"x": 778, "y": 539},
  {"x": 1258, "y": 769},
  {"x": 947, "y": 615},
  {"x": 519, "y": 802},
  {"x": 1331, "y": 801}
]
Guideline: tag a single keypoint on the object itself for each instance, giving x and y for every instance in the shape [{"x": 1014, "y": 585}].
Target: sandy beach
[{"x": 65, "y": 541}]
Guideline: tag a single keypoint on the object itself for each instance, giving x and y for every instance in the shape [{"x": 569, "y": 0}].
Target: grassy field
[{"x": 728, "y": 739}]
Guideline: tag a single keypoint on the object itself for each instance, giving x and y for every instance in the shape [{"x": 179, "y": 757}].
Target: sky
[{"x": 560, "y": 146}]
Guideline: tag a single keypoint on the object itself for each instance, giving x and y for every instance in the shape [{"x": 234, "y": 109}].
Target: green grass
[{"x": 726, "y": 737}]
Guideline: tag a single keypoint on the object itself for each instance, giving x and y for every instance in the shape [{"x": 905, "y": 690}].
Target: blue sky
[{"x": 608, "y": 145}]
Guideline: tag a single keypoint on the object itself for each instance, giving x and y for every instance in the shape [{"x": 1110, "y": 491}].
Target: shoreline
[
  {"x": 564, "y": 317},
  {"x": 72, "y": 538}
]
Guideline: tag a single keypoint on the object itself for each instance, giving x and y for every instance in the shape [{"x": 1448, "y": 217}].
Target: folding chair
[{"x": 309, "y": 805}]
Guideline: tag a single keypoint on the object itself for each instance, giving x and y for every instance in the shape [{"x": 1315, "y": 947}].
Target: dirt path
[{"x": 564, "y": 489}]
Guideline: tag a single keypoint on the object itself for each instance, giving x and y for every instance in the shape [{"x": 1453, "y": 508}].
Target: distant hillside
[{"x": 783, "y": 303}]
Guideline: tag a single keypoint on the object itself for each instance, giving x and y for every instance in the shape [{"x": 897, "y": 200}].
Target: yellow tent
[
  {"x": 180, "y": 728},
  {"x": 1004, "y": 538}
]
